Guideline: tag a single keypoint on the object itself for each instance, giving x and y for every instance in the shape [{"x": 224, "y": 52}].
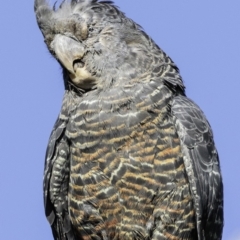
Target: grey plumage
[{"x": 130, "y": 156}]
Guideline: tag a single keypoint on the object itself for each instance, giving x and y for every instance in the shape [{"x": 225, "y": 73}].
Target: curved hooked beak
[
  {"x": 70, "y": 52},
  {"x": 67, "y": 50}
]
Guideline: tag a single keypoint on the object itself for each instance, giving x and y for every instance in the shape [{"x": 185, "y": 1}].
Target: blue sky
[{"x": 202, "y": 37}]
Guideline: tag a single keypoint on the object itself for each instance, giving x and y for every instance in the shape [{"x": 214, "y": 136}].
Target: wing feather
[
  {"x": 56, "y": 134},
  {"x": 202, "y": 166},
  {"x": 56, "y": 177}
]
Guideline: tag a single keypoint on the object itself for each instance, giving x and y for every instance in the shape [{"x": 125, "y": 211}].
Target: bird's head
[
  {"x": 98, "y": 46},
  {"x": 93, "y": 41}
]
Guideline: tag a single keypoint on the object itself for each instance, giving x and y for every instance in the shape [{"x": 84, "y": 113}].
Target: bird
[{"x": 130, "y": 156}]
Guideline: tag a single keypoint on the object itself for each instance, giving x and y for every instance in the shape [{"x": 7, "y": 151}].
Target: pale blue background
[{"x": 202, "y": 37}]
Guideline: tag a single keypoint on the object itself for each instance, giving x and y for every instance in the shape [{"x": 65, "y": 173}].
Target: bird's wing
[
  {"x": 202, "y": 166},
  {"x": 56, "y": 176}
]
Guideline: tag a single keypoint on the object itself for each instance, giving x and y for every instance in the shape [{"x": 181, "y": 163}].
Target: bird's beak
[{"x": 67, "y": 50}]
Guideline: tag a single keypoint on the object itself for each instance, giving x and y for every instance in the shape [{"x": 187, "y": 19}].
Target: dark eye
[{"x": 90, "y": 29}]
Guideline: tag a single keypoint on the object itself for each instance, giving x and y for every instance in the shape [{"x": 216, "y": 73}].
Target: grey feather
[
  {"x": 202, "y": 166},
  {"x": 130, "y": 156}
]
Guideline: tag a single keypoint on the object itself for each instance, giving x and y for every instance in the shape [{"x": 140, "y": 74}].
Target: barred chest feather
[{"x": 127, "y": 172}]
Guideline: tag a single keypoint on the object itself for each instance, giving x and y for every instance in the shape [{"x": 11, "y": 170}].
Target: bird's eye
[{"x": 90, "y": 29}]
